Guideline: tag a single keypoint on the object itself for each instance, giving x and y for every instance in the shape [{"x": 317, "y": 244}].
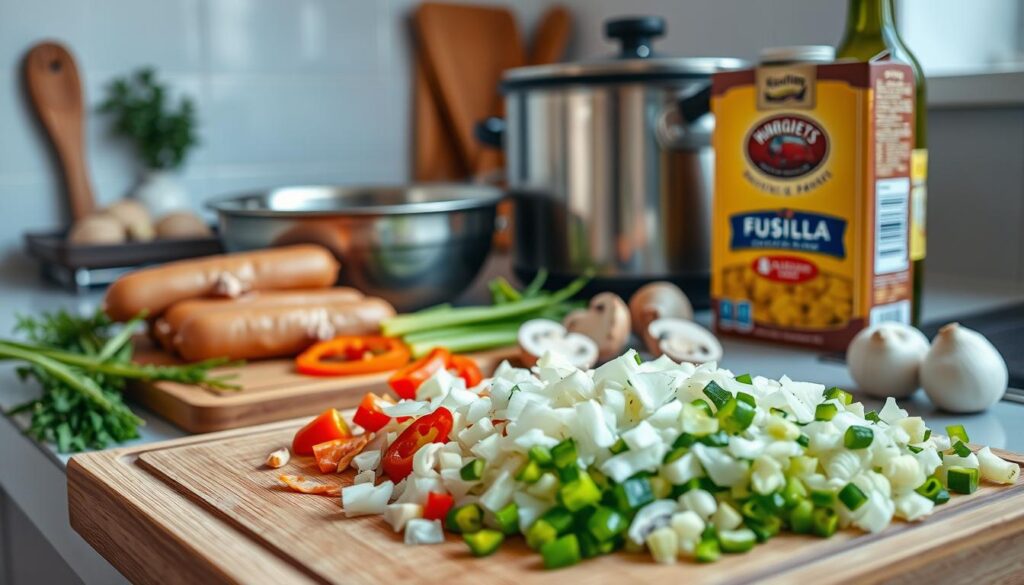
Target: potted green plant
[{"x": 163, "y": 134}]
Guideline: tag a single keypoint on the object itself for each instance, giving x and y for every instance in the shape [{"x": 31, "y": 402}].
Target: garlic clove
[
  {"x": 884, "y": 359},
  {"x": 963, "y": 372}
]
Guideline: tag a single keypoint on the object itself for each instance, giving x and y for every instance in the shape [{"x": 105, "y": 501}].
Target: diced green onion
[
  {"x": 872, "y": 416},
  {"x": 484, "y": 542},
  {"x": 941, "y": 498},
  {"x": 675, "y": 454},
  {"x": 957, "y": 432},
  {"x": 961, "y": 449},
  {"x": 823, "y": 497},
  {"x": 803, "y": 440},
  {"x": 632, "y": 493},
  {"x": 749, "y": 399},
  {"x": 568, "y": 474},
  {"x": 930, "y": 488},
  {"x": 465, "y": 519},
  {"x": 858, "y": 437},
  {"x": 558, "y": 517},
  {"x": 736, "y": 541},
  {"x": 579, "y": 493},
  {"x": 599, "y": 478},
  {"x": 703, "y": 405},
  {"x": 540, "y": 455},
  {"x": 590, "y": 547},
  {"x": 529, "y": 473},
  {"x": 914, "y": 449},
  {"x": 564, "y": 454},
  {"x": 718, "y": 395},
  {"x": 754, "y": 509},
  {"x": 707, "y": 551},
  {"x": 852, "y": 497},
  {"x": 826, "y": 411},
  {"x": 825, "y": 523},
  {"x": 716, "y": 439},
  {"x": 801, "y": 518},
  {"x": 927, "y": 434},
  {"x": 735, "y": 416},
  {"x": 803, "y": 465},
  {"x": 660, "y": 487},
  {"x": 685, "y": 440},
  {"x": 794, "y": 492},
  {"x": 605, "y": 524},
  {"x": 765, "y": 530},
  {"x": 473, "y": 470},
  {"x": 962, "y": 480},
  {"x": 540, "y": 533},
  {"x": 639, "y": 360},
  {"x": 562, "y": 552},
  {"x": 835, "y": 393},
  {"x": 619, "y": 446},
  {"x": 744, "y": 379},
  {"x": 507, "y": 518},
  {"x": 707, "y": 485},
  {"x": 779, "y": 412}
]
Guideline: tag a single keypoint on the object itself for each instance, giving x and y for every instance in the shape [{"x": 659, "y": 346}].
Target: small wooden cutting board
[
  {"x": 271, "y": 390},
  {"x": 204, "y": 510}
]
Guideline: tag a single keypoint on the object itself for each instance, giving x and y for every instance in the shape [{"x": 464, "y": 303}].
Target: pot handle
[
  {"x": 636, "y": 34},
  {"x": 490, "y": 132},
  {"x": 695, "y": 105}
]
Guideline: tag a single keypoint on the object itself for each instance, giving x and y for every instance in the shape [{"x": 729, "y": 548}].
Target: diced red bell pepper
[
  {"x": 437, "y": 506},
  {"x": 429, "y": 428},
  {"x": 370, "y": 413},
  {"x": 405, "y": 381},
  {"x": 329, "y": 425}
]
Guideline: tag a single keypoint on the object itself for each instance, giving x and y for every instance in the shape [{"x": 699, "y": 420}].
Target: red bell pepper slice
[
  {"x": 370, "y": 414},
  {"x": 429, "y": 428},
  {"x": 405, "y": 381},
  {"x": 466, "y": 368},
  {"x": 437, "y": 506},
  {"x": 353, "y": 354},
  {"x": 326, "y": 427}
]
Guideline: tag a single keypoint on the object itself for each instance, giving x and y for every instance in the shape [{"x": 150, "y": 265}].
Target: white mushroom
[
  {"x": 683, "y": 341},
  {"x": 539, "y": 336},
  {"x": 650, "y": 518},
  {"x": 963, "y": 371},
  {"x": 135, "y": 218},
  {"x": 97, "y": 229},
  {"x": 884, "y": 359},
  {"x": 606, "y": 321},
  {"x": 658, "y": 300},
  {"x": 180, "y": 225}
]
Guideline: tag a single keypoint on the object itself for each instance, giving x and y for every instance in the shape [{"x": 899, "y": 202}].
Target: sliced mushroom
[
  {"x": 658, "y": 300},
  {"x": 606, "y": 321},
  {"x": 683, "y": 341},
  {"x": 539, "y": 336},
  {"x": 650, "y": 518}
]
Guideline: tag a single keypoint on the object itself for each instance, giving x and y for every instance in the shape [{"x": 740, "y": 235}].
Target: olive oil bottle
[{"x": 871, "y": 32}]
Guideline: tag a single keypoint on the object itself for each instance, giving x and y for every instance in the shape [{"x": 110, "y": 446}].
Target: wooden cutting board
[
  {"x": 271, "y": 390},
  {"x": 202, "y": 509}
]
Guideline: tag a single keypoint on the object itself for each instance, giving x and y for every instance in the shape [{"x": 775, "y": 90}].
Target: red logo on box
[
  {"x": 787, "y": 146},
  {"x": 788, "y": 269}
]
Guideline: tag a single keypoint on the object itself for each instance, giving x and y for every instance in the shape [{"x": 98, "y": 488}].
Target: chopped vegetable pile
[{"x": 685, "y": 461}]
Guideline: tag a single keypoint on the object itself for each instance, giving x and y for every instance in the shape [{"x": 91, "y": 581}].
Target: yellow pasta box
[{"x": 811, "y": 206}]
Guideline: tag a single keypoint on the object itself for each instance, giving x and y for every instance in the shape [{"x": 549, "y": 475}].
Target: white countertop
[{"x": 32, "y": 475}]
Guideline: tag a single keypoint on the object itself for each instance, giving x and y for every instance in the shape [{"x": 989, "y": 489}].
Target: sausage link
[
  {"x": 164, "y": 328},
  {"x": 155, "y": 289},
  {"x": 242, "y": 333}
]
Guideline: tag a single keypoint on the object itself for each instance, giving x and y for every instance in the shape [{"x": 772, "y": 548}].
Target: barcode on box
[
  {"x": 892, "y": 197},
  {"x": 894, "y": 312}
]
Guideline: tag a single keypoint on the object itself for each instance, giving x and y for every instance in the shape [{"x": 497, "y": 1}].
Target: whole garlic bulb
[
  {"x": 884, "y": 359},
  {"x": 963, "y": 371}
]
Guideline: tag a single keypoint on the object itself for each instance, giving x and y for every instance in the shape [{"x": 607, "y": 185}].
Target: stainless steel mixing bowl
[{"x": 415, "y": 245}]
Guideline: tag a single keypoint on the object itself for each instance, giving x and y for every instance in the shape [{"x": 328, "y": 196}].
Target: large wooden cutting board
[
  {"x": 271, "y": 390},
  {"x": 203, "y": 510}
]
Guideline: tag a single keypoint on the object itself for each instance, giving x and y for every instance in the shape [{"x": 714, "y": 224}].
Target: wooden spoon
[{"x": 56, "y": 94}]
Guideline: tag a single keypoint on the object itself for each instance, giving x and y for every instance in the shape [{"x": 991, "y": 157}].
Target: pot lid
[{"x": 637, "y": 61}]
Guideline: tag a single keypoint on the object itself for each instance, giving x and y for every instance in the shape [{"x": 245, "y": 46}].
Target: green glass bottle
[{"x": 870, "y": 31}]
